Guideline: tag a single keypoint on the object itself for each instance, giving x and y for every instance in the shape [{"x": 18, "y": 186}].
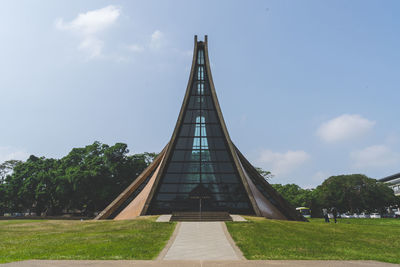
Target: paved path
[
  {"x": 201, "y": 241},
  {"x": 167, "y": 218},
  {"x": 198, "y": 244},
  {"x": 237, "y": 218},
  {"x": 164, "y": 218},
  {"x": 198, "y": 263}
]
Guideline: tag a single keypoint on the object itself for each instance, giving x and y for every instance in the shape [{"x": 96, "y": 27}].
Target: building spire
[{"x": 200, "y": 169}]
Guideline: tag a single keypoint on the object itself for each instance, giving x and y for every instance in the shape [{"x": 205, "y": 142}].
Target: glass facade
[{"x": 200, "y": 168}]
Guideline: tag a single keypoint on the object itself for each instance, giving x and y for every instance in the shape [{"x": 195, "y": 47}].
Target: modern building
[
  {"x": 200, "y": 169},
  {"x": 393, "y": 181}
]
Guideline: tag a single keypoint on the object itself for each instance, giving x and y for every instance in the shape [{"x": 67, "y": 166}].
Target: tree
[
  {"x": 354, "y": 193},
  {"x": 86, "y": 180},
  {"x": 32, "y": 185},
  {"x": 296, "y": 195},
  {"x": 108, "y": 170},
  {"x": 266, "y": 174},
  {"x": 3, "y": 199},
  {"x": 7, "y": 167}
]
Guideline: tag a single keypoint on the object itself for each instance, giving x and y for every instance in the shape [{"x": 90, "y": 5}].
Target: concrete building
[
  {"x": 200, "y": 170},
  {"x": 393, "y": 181}
]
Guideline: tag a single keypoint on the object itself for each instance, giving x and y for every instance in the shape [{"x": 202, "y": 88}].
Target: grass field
[
  {"x": 349, "y": 239},
  {"x": 38, "y": 239}
]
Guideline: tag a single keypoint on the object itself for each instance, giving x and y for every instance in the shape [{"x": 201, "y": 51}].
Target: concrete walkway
[
  {"x": 198, "y": 263},
  {"x": 201, "y": 241},
  {"x": 164, "y": 218},
  {"x": 167, "y": 218},
  {"x": 198, "y": 244}
]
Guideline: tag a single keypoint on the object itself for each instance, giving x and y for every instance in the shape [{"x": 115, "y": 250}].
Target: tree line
[
  {"x": 354, "y": 193},
  {"x": 87, "y": 179},
  {"x": 84, "y": 181}
]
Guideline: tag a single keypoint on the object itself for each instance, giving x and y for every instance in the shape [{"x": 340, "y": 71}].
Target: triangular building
[{"x": 200, "y": 169}]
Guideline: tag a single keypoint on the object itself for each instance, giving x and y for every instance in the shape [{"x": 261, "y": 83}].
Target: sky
[{"x": 308, "y": 89}]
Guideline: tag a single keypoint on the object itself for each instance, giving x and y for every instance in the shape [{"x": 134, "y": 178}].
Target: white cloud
[
  {"x": 157, "y": 40},
  {"x": 136, "y": 48},
  {"x": 377, "y": 156},
  {"x": 344, "y": 127},
  {"x": 282, "y": 163},
  {"x": 91, "y": 22},
  {"x": 8, "y": 153},
  {"x": 89, "y": 25},
  {"x": 92, "y": 46}
]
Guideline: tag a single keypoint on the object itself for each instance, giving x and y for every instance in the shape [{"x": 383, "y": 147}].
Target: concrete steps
[{"x": 209, "y": 216}]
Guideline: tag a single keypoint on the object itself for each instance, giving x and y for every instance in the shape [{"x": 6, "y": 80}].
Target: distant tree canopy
[
  {"x": 86, "y": 180},
  {"x": 355, "y": 193},
  {"x": 90, "y": 177},
  {"x": 296, "y": 195},
  {"x": 266, "y": 174},
  {"x": 348, "y": 193},
  {"x": 6, "y": 168}
]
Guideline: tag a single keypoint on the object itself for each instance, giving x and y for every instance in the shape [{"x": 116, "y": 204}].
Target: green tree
[
  {"x": 3, "y": 199},
  {"x": 87, "y": 179},
  {"x": 98, "y": 173},
  {"x": 296, "y": 195},
  {"x": 266, "y": 174},
  {"x": 6, "y": 168},
  {"x": 354, "y": 193},
  {"x": 32, "y": 185}
]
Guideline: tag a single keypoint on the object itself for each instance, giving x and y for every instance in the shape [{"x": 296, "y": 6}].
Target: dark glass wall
[{"x": 200, "y": 173}]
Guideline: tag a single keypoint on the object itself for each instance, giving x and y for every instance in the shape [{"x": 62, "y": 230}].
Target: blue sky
[{"x": 308, "y": 89}]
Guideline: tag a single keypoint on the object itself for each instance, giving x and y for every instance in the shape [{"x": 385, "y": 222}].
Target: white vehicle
[
  {"x": 363, "y": 215},
  {"x": 375, "y": 215},
  {"x": 306, "y": 212}
]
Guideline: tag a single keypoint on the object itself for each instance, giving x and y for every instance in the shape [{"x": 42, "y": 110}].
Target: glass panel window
[
  {"x": 213, "y": 130},
  {"x": 167, "y": 188},
  {"x": 187, "y": 130},
  {"x": 200, "y": 163},
  {"x": 200, "y": 88},
  {"x": 200, "y": 73},
  {"x": 172, "y": 178},
  {"x": 200, "y": 57}
]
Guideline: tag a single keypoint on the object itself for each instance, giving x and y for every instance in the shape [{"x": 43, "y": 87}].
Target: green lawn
[
  {"x": 38, "y": 239},
  {"x": 349, "y": 239}
]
